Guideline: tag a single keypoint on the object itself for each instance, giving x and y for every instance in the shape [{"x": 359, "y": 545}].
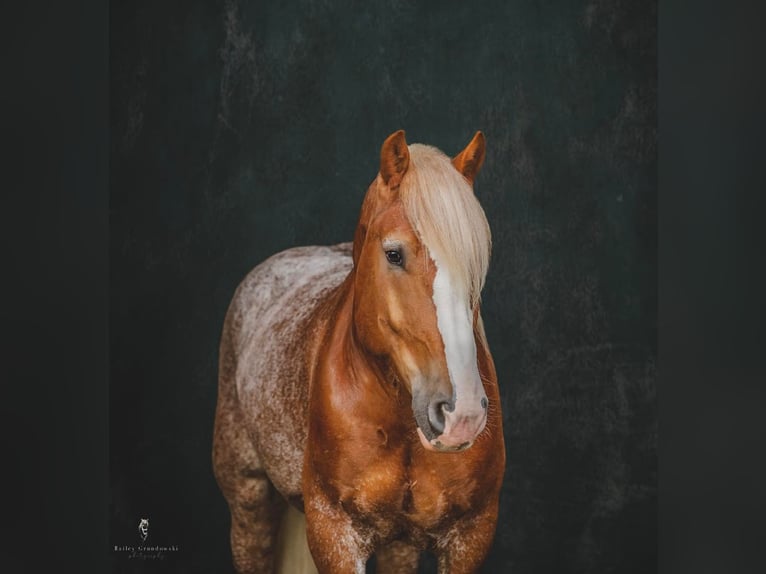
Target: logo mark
[{"x": 143, "y": 528}]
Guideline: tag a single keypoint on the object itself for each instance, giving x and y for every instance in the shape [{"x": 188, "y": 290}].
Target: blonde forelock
[{"x": 443, "y": 209}]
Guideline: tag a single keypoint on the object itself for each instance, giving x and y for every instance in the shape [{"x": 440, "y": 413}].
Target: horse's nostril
[
  {"x": 436, "y": 415},
  {"x": 484, "y": 403}
]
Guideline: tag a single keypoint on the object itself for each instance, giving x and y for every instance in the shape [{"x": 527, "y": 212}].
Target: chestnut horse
[{"x": 356, "y": 384}]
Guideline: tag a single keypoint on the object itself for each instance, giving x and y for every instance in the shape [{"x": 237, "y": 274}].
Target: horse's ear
[
  {"x": 469, "y": 161},
  {"x": 394, "y": 159}
]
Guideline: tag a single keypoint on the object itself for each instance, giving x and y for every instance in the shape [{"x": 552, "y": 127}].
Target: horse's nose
[
  {"x": 439, "y": 408},
  {"x": 462, "y": 422}
]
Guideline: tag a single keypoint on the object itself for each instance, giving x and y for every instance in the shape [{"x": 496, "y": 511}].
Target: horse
[{"x": 358, "y": 401}]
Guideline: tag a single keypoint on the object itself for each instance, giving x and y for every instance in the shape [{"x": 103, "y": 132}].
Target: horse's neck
[
  {"x": 331, "y": 318},
  {"x": 340, "y": 350}
]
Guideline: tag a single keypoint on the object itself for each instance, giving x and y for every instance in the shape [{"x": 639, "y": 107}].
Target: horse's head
[
  {"x": 143, "y": 528},
  {"x": 421, "y": 252}
]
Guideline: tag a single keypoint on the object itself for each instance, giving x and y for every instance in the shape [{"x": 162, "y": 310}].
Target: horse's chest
[
  {"x": 436, "y": 495},
  {"x": 402, "y": 496}
]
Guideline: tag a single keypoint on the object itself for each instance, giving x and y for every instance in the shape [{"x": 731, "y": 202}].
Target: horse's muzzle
[{"x": 449, "y": 427}]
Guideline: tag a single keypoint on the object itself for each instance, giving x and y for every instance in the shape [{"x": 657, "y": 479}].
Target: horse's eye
[{"x": 394, "y": 257}]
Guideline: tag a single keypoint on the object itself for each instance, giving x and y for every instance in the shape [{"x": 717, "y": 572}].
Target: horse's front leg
[
  {"x": 255, "y": 506},
  {"x": 337, "y": 548},
  {"x": 463, "y": 549}
]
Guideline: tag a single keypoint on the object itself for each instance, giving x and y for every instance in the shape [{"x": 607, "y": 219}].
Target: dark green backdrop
[{"x": 240, "y": 129}]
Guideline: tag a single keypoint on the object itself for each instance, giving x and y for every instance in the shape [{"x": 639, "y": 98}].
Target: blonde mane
[{"x": 442, "y": 208}]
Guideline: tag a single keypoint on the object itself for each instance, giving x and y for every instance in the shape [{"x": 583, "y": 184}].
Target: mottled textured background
[{"x": 240, "y": 129}]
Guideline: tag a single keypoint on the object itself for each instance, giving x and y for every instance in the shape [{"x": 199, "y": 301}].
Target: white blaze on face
[{"x": 455, "y": 321}]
